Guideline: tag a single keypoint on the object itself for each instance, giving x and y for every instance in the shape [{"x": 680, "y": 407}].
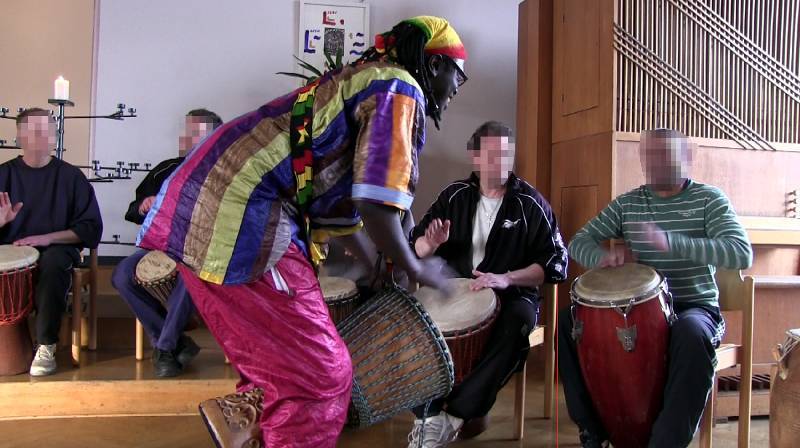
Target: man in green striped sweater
[{"x": 685, "y": 230}]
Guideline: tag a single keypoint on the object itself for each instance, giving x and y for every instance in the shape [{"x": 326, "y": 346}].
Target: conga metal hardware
[{"x": 627, "y": 335}]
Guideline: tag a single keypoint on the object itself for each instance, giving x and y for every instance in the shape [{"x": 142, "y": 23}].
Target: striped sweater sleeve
[
  {"x": 725, "y": 245},
  {"x": 585, "y": 245}
]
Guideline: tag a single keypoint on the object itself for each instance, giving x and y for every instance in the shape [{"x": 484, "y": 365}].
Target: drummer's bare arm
[
  {"x": 359, "y": 245},
  {"x": 60, "y": 237},
  {"x": 383, "y": 225}
]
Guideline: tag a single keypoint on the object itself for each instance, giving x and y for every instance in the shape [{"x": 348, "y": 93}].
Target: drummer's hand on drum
[
  {"x": 34, "y": 241},
  {"x": 8, "y": 211},
  {"x": 146, "y": 205},
  {"x": 438, "y": 232},
  {"x": 485, "y": 280},
  {"x": 617, "y": 256}
]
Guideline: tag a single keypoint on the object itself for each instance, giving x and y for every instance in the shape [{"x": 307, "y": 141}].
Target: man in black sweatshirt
[
  {"x": 497, "y": 229},
  {"x": 47, "y": 204},
  {"x": 172, "y": 350}
]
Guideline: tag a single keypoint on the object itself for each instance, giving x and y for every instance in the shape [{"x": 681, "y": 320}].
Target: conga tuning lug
[{"x": 627, "y": 337}]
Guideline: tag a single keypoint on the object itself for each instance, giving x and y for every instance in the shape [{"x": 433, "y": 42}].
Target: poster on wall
[{"x": 332, "y": 27}]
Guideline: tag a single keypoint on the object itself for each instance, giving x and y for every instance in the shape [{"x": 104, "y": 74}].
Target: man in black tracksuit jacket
[{"x": 498, "y": 229}]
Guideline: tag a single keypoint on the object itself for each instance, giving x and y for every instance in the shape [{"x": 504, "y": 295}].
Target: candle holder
[{"x": 60, "y": 124}]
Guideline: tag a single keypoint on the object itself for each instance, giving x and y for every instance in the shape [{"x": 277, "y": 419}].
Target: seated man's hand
[
  {"x": 655, "y": 237},
  {"x": 485, "y": 280},
  {"x": 146, "y": 205},
  {"x": 34, "y": 241},
  {"x": 617, "y": 256},
  {"x": 438, "y": 232},
  {"x": 8, "y": 211}
]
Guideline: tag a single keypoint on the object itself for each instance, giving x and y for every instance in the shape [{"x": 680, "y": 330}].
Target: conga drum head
[
  {"x": 154, "y": 267},
  {"x": 462, "y": 309},
  {"x": 607, "y": 287},
  {"x": 17, "y": 257}
]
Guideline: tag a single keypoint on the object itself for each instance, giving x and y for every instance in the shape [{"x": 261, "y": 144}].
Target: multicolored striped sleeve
[
  {"x": 585, "y": 245},
  {"x": 726, "y": 245},
  {"x": 391, "y": 117}
]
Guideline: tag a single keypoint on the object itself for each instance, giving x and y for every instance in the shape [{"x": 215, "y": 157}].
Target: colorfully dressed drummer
[
  {"x": 498, "y": 229},
  {"x": 243, "y": 213},
  {"x": 47, "y": 204},
  {"x": 172, "y": 350},
  {"x": 685, "y": 230}
]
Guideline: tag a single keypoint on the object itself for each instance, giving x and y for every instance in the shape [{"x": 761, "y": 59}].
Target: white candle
[{"x": 61, "y": 89}]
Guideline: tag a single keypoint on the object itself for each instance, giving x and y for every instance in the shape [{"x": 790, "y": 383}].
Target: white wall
[{"x": 165, "y": 58}]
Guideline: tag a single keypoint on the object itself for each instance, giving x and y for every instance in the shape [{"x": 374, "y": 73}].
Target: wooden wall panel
[
  {"x": 583, "y": 68},
  {"x": 534, "y": 92},
  {"x": 582, "y": 51},
  {"x": 42, "y": 40},
  {"x": 580, "y": 188}
]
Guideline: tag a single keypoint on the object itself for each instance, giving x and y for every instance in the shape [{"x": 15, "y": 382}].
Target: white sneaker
[
  {"x": 434, "y": 432},
  {"x": 44, "y": 363}
]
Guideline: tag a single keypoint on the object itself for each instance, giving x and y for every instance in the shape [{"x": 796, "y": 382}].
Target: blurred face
[
  {"x": 666, "y": 161},
  {"x": 495, "y": 159},
  {"x": 195, "y": 129},
  {"x": 36, "y": 135}
]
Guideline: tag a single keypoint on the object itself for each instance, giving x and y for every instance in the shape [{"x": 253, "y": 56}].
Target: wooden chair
[
  {"x": 736, "y": 293},
  {"x": 84, "y": 275},
  {"x": 542, "y": 334}
]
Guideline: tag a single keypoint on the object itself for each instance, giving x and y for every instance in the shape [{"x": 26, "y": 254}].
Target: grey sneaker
[
  {"x": 44, "y": 363},
  {"x": 435, "y": 432}
]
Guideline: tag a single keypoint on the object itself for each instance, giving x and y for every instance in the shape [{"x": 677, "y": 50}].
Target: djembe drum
[
  {"x": 158, "y": 274},
  {"x": 784, "y": 400},
  {"x": 466, "y": 319},
  {"x": 400, "y": 361},
  {"x": 341, "y": 296},
  {"x": 17, "y": 267},
  {"x": 621, "y": 326}
]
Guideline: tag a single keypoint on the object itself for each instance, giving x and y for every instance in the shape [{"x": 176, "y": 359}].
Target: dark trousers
[
  {"x": 690, "y": 376},
  {"x": 53, "y": 283},
  {"x": 163, "y": 326},
  {"x": 505, "y": 353}
]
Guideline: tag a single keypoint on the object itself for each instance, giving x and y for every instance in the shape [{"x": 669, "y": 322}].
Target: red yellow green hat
[{"x": 442, "y": 38}]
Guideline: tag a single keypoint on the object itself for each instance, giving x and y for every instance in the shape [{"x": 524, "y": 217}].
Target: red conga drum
[
  {"x": 17, "y": 266},
  {"x": 621, "y": 326},
  {"x": 466, "y": 320}
]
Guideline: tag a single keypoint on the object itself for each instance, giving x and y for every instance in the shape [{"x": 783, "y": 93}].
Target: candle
[{"x": 61, "y": 89}]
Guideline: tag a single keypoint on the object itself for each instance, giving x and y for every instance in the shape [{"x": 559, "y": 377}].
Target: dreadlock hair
[{"x": 405, "y": 45}]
